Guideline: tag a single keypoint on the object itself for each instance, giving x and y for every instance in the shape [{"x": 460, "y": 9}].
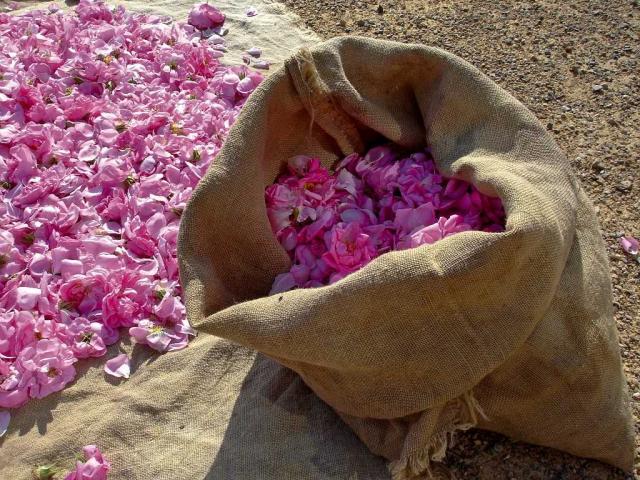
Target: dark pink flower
[
  {"x": 348, "y": 248},
  {"x": 90, "y": 10},
  {"x": 85, "y": 338}
]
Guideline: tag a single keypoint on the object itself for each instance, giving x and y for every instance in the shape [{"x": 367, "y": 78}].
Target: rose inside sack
[{"x": 333, "y": 224}]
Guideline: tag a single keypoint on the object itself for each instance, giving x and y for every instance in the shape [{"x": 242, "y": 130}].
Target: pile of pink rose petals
[
  {"x": 108, "y": 120},
  {"x": 333, "y": 224}
]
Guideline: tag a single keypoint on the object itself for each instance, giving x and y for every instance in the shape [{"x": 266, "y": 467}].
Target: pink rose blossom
[
  {"x": 51, "y": 364},
  {"x": 14, "y": 385},
  {"x": 160, "y": 337},
  {"x": 348, "y": 248},
  {"x": 123, "y": 304},
  {"x": 434, "y": 232},
  {"x": 204, "y": 16},
  {"x": 95, "y": 466},
  {"x": 86, "y": 338}
]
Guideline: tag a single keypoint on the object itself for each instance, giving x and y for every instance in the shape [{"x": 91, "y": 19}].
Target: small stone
[
  {"x": 636, "y": 396},
  {"x": 598, "y": 166},
  {"x": 380, "y": 10},
  {"x": 597, "y": 87},
  {"x": 624, "y": 185},
  {"x": 361, "y": 23}
]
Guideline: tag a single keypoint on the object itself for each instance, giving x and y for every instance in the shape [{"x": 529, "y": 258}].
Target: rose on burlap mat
[{"x": 510, "y": 332}]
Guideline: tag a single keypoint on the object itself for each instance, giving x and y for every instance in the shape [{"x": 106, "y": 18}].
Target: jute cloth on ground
[
  {"x": 511, "y": 332},
  {"x": 213, "y": 411}
]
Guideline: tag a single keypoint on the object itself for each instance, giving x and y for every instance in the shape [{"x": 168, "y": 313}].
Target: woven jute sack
[{"x": 511, "y": 332}]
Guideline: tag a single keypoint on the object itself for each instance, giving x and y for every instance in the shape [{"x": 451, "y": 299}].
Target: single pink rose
[
  {"x": 348, "y": 248},
  {"x": 51, "y": 364},
  {"x": 96, "y": 467},
  {"x": 204, "y": 16}
]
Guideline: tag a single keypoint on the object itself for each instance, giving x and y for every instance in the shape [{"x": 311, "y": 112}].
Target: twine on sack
[
  {"x": 463, "y": 413},
  {"x": 321, "y": 104}
]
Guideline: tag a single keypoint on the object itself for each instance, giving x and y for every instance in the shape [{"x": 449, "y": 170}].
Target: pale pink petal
[
  {"x": 629, "y": 244},
  {"x": 282, "y": 283},
  {"x": 118, "y": 366},
  {"x": 5, "y": 418},
  {"x": 262, "y": 65},
  {"x": 69, "y": 268},
  {"x": 27, "y": 297}
]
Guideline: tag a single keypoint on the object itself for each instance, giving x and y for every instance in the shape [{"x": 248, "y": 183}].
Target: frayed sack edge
[
  {"x": 323, "y": 108},
  {"x": 466, "y": 410}
]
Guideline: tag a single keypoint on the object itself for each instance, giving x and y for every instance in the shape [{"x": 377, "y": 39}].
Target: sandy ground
[{"x": 576, "y": 65}]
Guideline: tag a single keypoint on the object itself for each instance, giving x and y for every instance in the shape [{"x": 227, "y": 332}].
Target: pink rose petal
[
  {"x": 27, "y": 297},
  {"x": 5, "y": 418},
  {"x": 629, "y": 244},
  {"x": 262, "y": 64},
  {"x": 254, "y": 52},
  {"x": 118, "y": 366}
]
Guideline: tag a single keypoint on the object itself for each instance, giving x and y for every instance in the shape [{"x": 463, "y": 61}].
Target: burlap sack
[
  {"x": 213, "y": 411},
  {"x": 512, "y": 332}
]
